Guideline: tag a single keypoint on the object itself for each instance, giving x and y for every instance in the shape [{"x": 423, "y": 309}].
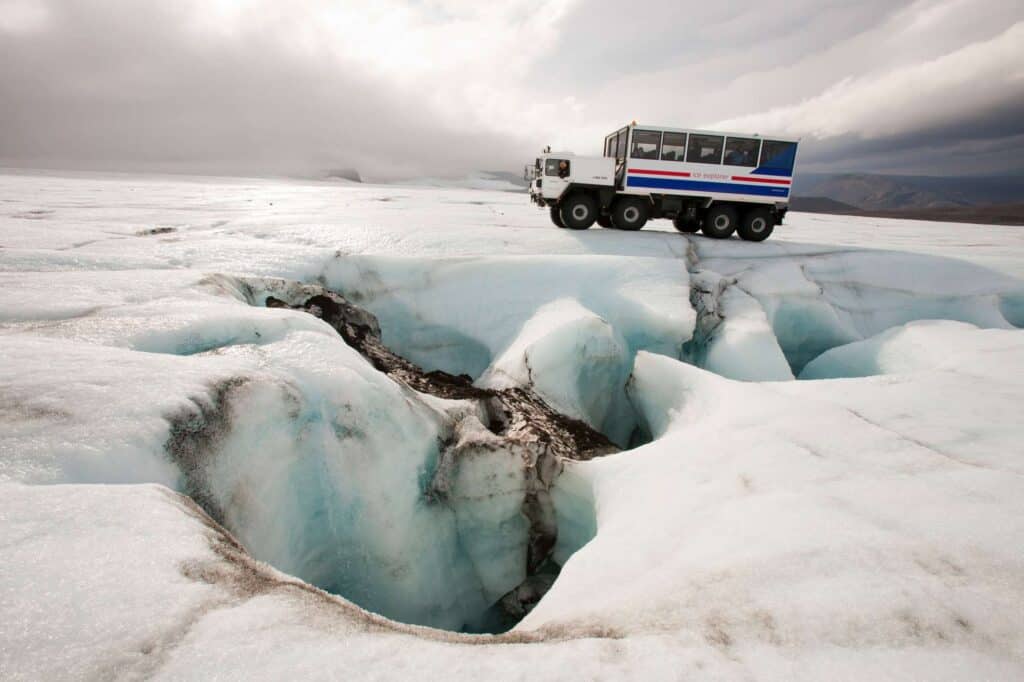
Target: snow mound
[
  {"x": 574, "y": 360},
  {"x": 908, "y": 348}
]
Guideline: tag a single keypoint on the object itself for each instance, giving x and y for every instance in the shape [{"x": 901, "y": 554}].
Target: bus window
[
  {"x": 646, "y": 144},
  {"x": 741, "y": 151},
  {"x": 778, "y": 155},
  {"x": 674, "y": 147},
  {"x": 704, "y": 149}
]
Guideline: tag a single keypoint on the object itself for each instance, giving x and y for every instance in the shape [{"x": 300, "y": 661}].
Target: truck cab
[
  {"x": 557, "y": 174},
  {"x": 557, "y": 171},
  {"x": 715, "y": 182}
]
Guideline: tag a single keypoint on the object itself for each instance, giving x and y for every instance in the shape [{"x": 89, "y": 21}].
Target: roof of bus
[{"x": 701, "y": 131}]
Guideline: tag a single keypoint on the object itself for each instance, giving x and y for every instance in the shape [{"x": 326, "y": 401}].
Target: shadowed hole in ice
[
  {"x": 433, "y": 346},
  {"x": 425, "y": 512}
]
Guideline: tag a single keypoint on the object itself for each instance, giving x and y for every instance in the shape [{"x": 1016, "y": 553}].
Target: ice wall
[
  {"x": 323, "y": 471},
  {"x": 461, "y": 314},
  {"x": 816, "y": 298}
]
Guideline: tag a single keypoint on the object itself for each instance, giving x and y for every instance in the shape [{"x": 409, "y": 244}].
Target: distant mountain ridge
[
  {"x": 870, "y": 192},
  {"x": 988, "y": 214},
  {"x": 821, "y": 205}
]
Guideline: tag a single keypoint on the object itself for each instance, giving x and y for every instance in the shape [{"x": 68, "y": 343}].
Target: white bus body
[{"x": 712, "y": 181}]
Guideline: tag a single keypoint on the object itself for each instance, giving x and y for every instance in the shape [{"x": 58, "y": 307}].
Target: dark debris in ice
[
  {"x": 196, "y": 431},
  {"x": 155, "y": 231},
  {"x": 517, "y": 412}
]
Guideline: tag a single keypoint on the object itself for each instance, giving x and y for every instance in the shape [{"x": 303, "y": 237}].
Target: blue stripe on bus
[
  {"x": 702, "y": 186},
  {"x": 772, "y": 171}
]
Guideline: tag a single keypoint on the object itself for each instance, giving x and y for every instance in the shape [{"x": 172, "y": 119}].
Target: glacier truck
[{"x": 717, "y": 183}]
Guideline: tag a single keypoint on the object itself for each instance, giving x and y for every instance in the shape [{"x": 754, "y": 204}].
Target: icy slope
[
  {"x": 858, "y": 528},
  {"x": 807, "y": 524},
  {"x": 739, "y": 543}
]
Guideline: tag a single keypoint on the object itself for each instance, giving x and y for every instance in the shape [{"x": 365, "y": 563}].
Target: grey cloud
[
  {"x": 711, "y": 44},
  {"x": 128, "y": 85},
  {"x": 986, "y": 141},
  {"x": 133, "y": 84}
]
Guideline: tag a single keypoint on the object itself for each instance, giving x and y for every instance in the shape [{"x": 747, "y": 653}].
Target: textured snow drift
[
  {"x": 867, "y": 524},
  {"x": 909, "y": 348}
]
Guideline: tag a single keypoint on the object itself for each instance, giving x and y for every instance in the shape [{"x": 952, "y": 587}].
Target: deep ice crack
[{"x": 484, "y": 484}]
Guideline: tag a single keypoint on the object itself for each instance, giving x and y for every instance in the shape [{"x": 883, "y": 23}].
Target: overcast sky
[{"x": 442, "y": 87}]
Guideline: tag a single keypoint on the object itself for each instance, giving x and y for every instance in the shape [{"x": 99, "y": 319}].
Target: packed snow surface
[{"x": 826, "y": 478}]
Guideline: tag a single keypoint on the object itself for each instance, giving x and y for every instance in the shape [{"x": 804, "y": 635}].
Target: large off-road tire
[
  {"x": 631, "y": 213},
  {"x": 686, "y": 225},
  {"x": 720, "y": 221},
  {"x": 757, "y": 224},
  {"x": 578, "y": 211},
  {"x": 605, "y": 221},
  {"x": 556, "y": 218}
]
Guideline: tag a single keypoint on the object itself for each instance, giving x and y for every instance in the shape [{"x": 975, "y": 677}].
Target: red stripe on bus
[
  {"x": 773, "y": 181},
  {"x": 678, "y": 174}
]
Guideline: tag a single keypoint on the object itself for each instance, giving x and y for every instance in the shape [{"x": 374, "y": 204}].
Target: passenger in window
[
  {"x": 563, "y": 169},
  {"x": 739, "y": 157}
]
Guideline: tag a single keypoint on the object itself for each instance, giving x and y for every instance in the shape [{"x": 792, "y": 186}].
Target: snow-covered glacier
[{"x": 263, "y": 429}]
